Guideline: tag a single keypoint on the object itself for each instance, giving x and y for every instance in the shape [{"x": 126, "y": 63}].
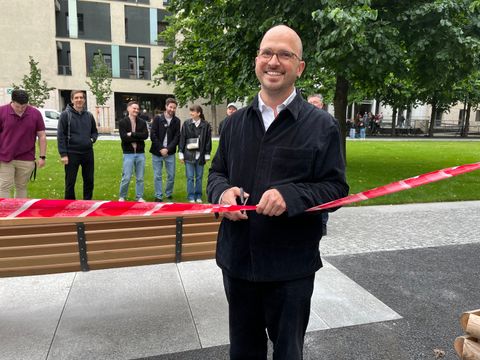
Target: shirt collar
[{"x": 262, "y": 106}]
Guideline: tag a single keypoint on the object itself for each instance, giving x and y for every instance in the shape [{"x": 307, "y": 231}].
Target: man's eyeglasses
[{"x": 282, "y": 55}]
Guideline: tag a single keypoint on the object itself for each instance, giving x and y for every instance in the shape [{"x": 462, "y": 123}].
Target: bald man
[{"x": 284, "y": 156}]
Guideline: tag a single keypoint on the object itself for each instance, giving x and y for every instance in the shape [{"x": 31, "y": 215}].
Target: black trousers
[
  {"x": 279, "y": 310},
  {"x": 86, "y": 161}
]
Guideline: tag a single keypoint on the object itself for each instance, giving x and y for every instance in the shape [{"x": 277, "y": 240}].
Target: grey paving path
[{"x": 165, "y": 309}]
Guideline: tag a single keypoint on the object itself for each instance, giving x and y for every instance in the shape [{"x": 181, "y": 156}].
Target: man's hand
[
  {"x": 271, "y": 203},
  {"x": 41, "y": 163},
  {"x": 229, "y": 197},
  {"x": 64, "y": 160},
  {"x": 164, "y": 152}
]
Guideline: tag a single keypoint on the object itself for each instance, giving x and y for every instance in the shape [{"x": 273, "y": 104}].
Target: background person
[
  {"x": 20, "y": 126},
  {"x": 194, "y": 151},
  {"x": 133, "y": 132},
  {"x": 76, "y": 134},
  {"x": 231, "y": 108},
  {"x": 165, "y": 135},
  {"x": 317, "y": 101},
  {"x": 286, "y": 155}
]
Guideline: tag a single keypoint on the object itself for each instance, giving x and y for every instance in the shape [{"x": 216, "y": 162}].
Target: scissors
[{"x": 243, "y": 201}]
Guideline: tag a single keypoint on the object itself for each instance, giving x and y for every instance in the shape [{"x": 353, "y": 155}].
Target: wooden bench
[{"x": 43, "y": 246}]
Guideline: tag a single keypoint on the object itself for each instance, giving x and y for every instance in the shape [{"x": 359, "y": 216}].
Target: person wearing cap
[
  {"x": 20, "y": 126},
  {"x": 231, "y": 108}
]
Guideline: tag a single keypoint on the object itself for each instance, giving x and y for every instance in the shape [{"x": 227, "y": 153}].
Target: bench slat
[
  {"x": 38, "y": 239},
  {"x": 39, "y": 270},
  {"x": 146, "y": 260},
  {"x": 38, "y": 260},
  {"x": 131, "y": 252},
  {"x": 34, "y": 250}
]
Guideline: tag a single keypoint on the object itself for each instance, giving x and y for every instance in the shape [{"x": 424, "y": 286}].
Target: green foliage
[
  {"x": 36, "y": 88},
  {"x": 443, "y": 46},
  {"x": 400, "y": 52},
  {"x": 100, "y": 79}
]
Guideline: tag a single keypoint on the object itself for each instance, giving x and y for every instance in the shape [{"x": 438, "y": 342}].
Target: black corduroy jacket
[{"x": 299, "y": 155}]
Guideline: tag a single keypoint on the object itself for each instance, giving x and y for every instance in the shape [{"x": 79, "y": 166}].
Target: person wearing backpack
[{"x": 76, "y": 134}]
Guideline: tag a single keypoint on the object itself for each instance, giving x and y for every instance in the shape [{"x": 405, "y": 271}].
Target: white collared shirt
[
  {"x": 268, "y": 115},
  {"x": 165, "y": 140}
]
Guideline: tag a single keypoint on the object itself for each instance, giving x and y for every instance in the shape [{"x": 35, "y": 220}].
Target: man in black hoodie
[{"x": 76, "y": 134}]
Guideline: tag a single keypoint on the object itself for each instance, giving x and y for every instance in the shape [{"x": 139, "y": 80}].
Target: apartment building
[{"x": 64, "y": 36}]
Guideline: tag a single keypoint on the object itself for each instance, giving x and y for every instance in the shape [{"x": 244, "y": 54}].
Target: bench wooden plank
[
  {"x": 33, "y": 250},
  {"x": 50, "y": 259},
  {"x": 50, "y": 245},
  {"x": 39, "y": 270},
  {"x": 38, "y": 239},
  {"x": 146, "y": 260}
]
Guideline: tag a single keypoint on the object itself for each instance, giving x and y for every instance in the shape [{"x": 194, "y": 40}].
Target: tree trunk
[
  {"x": 394, "y": 120},
  {"x": 432, "y": 119},
  {"x": 340, "y": 103},
  {"x": 466, "y": 124},
  {"x": 377, "y": 107},
  {"x": 214, "y": 124}
]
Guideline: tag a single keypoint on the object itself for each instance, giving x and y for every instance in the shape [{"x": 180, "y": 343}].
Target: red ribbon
[
  {"x": 400, "y": 185},
  {"x": 21, "y": 208}
]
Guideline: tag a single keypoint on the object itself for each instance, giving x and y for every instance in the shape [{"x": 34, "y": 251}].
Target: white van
[{"x": 50, "y": 117}]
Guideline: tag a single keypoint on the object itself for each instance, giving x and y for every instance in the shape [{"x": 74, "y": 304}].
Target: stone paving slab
[
  {"x": 30, "y": 308},
  {"x": 125, "y": 313},
  {"x": 356, "y": 230},
  {"x": 339, "y": 301}
]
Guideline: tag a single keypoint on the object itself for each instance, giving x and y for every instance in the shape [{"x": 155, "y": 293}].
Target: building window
[
  {"x": 477, "y": 116},
  {"x": 136, "y": 67},
  {"x": 137, "y": 1},
  {"x": 93, "y": 20},
  {"x": 161, "y": 25},
  {"x": 106, "y": 57},
  {"x": 137, "y": 25},
  {"x": 63, "y": 58},
  {"x": 92, "y": 50},
  {"x": 81, "y": 28}
]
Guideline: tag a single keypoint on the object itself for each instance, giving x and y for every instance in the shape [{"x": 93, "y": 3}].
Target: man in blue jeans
[
  {"x": 165, "y": 134},
  {"x": 133, "y": 132}
]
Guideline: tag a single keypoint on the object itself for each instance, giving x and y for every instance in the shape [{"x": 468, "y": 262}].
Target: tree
[
  {"x": 218, "y": 42},
  {"x": 358, "y": 43},
  {"x": 100, "y": 79},
  {"x": 397, "y": 93},
  {"x": 443, "y": 44},
  {"x": 469, "y": 91},
  {"x": 36, "y": 88}
]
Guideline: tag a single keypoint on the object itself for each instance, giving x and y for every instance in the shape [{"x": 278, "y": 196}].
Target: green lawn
[{"x": 370, "y": 164}]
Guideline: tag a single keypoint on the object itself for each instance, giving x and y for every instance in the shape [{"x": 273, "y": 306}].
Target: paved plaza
[{"x": 394, "y": 283}]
